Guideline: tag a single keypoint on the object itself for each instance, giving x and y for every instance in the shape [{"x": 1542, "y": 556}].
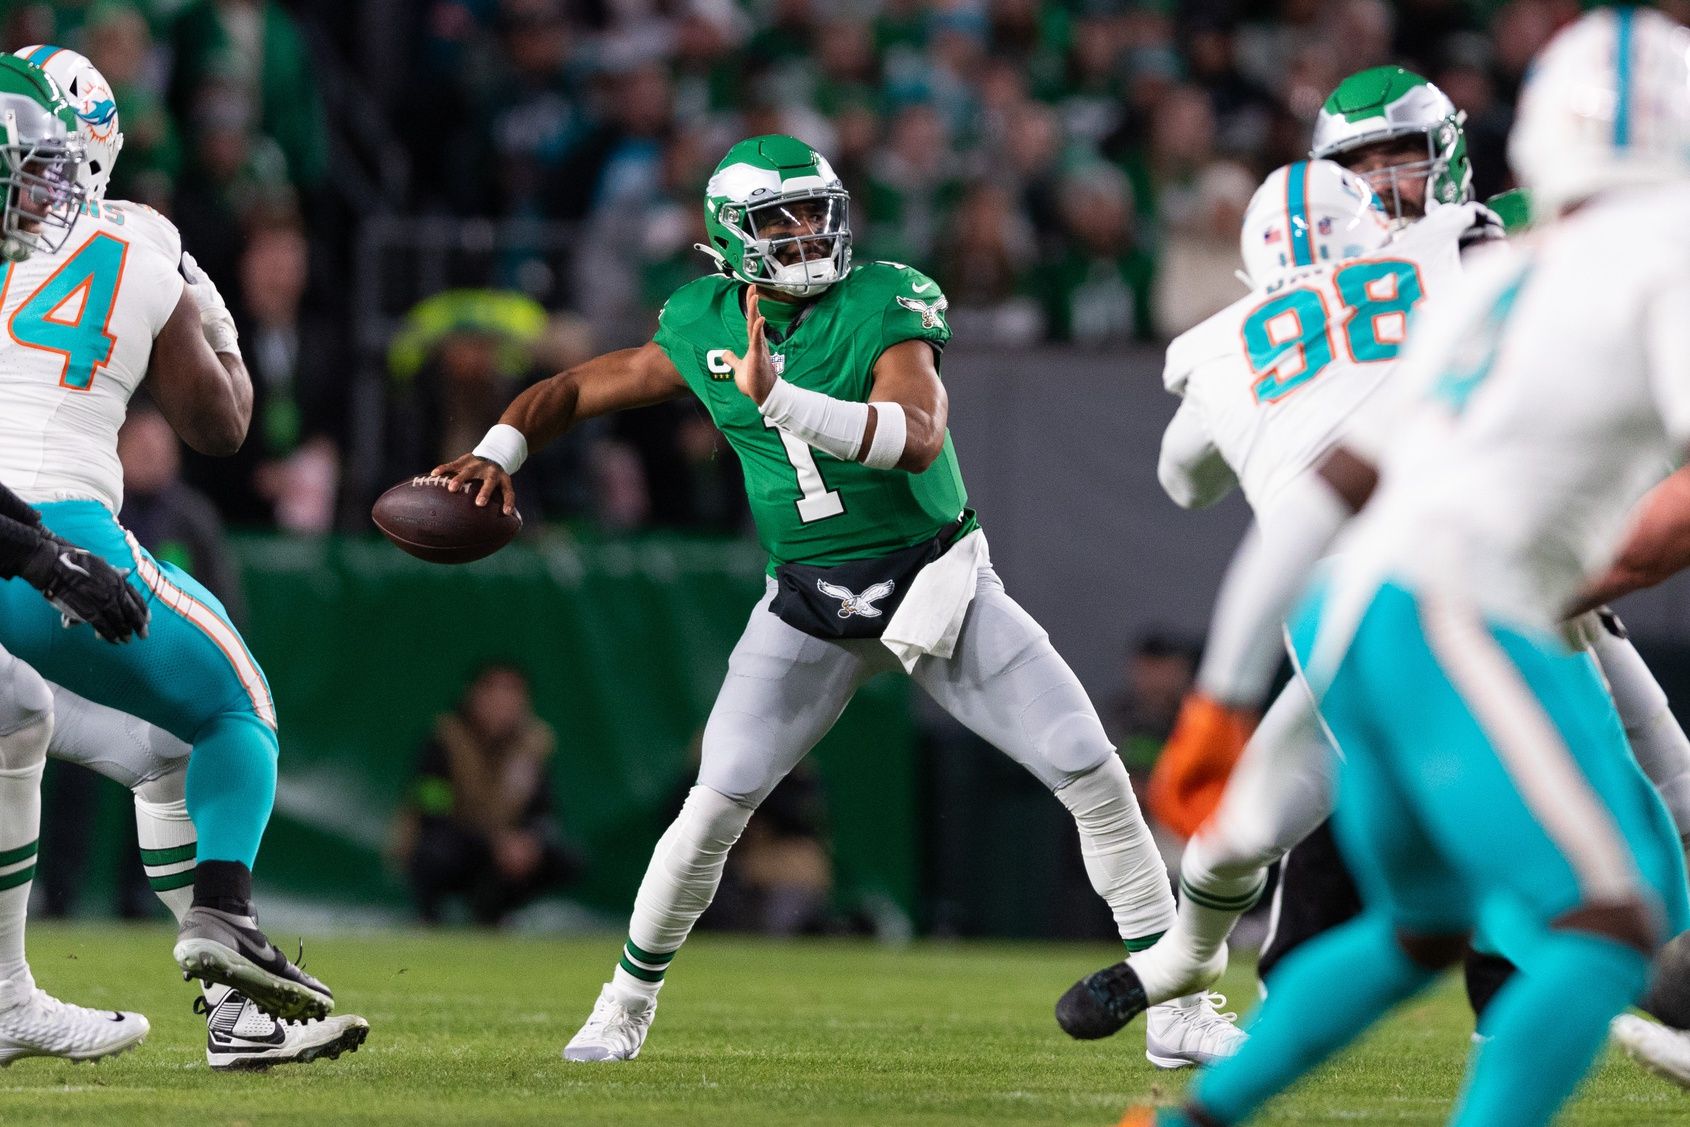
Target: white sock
[
  {"x": 1120, "y": 854},
  {"x": 678, "y": 886},
  {"x": 1212, "y": 897},
  {"x": 168, "y": 842},
  {"x": 23, "y": 755}
]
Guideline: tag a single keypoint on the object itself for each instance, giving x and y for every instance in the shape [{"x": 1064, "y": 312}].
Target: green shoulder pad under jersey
[
  {"x": 1514, "y": 208},
  {"x": 809, "y": 506}
]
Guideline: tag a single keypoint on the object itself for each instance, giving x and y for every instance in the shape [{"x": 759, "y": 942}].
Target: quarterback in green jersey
[{"x": 824, "y": 376}]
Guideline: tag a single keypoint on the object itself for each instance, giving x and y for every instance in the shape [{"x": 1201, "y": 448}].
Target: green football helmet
[
  {"x": 1383, "y": 104},
  {"x": 777, "y": 217},
  {"x": 40, "y": 156}
]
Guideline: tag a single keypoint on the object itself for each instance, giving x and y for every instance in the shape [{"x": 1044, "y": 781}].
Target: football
[{"x": 432, "y": 523}]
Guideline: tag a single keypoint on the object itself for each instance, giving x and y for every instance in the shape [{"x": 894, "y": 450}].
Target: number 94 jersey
[
  {"x": 1269, "y": 381},
  {"x": 79, "y": 329},
  {"x": 809, "y": 506}
]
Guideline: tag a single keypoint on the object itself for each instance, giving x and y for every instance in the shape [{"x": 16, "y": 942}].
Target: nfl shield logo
[{"x": 777, "y": 361}]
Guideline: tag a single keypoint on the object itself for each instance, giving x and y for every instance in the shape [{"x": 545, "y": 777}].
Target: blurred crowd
[{"x": 1071, "y": 171}]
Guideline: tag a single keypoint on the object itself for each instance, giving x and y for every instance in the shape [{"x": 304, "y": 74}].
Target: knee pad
[
  {"x": 26, "y": 715},
  {"x": 165, "y": 792},
  {"x": 1077, "y": 744},
  {"x": 1101, "y": 797},
  {"x": 25, "y": 696},
  {"x": 710, "y": 821}
]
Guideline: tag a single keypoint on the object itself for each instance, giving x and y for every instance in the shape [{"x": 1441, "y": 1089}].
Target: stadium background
[{"x": 415, "y": 208}]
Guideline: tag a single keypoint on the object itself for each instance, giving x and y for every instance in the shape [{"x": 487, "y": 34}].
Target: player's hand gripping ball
[{"x": 429, "y": 521}]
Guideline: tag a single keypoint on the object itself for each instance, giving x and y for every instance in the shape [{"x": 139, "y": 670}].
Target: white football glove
[{"x": 215, "y": 319}]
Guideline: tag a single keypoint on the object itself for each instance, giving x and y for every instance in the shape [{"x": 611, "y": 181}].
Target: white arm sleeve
[
  {"x": 1191, "y": 468},
  {"x": 1261, "y": 586},
  {"x": 831, "y": 425}
]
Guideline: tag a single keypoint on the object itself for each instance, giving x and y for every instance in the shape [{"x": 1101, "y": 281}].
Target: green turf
[{"x": 467, "y": 1029}]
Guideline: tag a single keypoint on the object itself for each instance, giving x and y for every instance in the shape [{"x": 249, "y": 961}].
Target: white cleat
[
  {"x": 1660, "y": 1049},
  {"x": 33, "y": 1023},
  {"x": 238, "y": 1035},
  {"x": 614, "y": 1031},
  {"x": 1191, "y": 1030}
]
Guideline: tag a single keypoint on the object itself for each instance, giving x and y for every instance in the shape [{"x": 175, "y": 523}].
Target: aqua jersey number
[
  {"x": 1288, "y": 338},
  {"x": 92, "y": 275}
]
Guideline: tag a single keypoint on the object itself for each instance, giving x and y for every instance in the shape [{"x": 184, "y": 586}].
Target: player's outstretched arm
[
  {"x": 1657, "y": 548},
  {"x": 616, "y": 381},
  {"x": 206, "y": 395},
  {"x": 902, "y": 426},
  {"x": 1190, "y": 468},
  {"x": 1243, "y": 651}
]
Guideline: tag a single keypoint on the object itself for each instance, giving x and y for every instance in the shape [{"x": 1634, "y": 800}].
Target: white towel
[{"x": 930, "y": 617}]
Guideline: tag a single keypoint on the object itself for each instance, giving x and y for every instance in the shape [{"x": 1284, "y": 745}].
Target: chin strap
[{"x": 717, "y": 256}]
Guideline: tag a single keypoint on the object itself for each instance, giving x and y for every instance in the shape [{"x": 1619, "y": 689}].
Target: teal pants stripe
[
  {"x": 192, "y": 676},
  {"x": 1441, "y": 839},
  {"x": 1429, "y": 815}
]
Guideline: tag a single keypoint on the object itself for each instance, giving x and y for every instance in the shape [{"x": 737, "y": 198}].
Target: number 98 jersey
[
  {"x": 1270, "y": 381},
  {"x": 809, "y": 506},
  {"x": 79, "y": 329}
]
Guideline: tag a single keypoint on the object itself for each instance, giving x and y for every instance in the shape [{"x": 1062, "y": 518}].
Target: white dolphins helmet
[
  {"x": 1309, "y": 213},
  {"x": 1606, "y": 104},
  {"x": 90, "y": 95}
]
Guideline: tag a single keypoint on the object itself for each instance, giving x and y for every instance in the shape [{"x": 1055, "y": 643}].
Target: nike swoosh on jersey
[{"x": 921, "y": 287}]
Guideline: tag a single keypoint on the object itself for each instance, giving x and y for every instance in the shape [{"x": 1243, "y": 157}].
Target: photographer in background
[{"x": 479, "y": 821}]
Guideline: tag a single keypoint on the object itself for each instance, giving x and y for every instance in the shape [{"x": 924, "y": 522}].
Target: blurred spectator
[
  {"x": 287, "y": 472},
  {"x": 172, "y": 520},
  {"x": 1197, "y": 273},
  {"x": 479, "y": 822},
  {"x": 457, "y": 361},
  {"x": 1158, "y": 671},
  {"x": 179, "y": 526},
  {"x": 912, "y": 184},
  {"x": 120, "y": 46},
  {"x": 983, "y": 266},
  {"x": 1096, "y": 291},
  {"x": 254, "y": 50},
  {"x": 231, "y": 173}
]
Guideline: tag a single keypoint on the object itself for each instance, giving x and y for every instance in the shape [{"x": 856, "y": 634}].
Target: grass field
[{"x": 467, "y": 1029}]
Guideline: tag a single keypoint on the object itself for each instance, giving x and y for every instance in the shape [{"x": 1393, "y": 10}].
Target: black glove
[{"x": 86, "y": 588}]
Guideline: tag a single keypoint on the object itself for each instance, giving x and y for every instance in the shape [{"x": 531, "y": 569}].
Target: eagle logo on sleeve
[
  {"x": 931, "y": 312},
  {"x": 851, "y": 603}
]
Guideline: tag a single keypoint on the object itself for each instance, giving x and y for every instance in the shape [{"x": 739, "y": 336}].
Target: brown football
[{"x": 431, "y": 523}]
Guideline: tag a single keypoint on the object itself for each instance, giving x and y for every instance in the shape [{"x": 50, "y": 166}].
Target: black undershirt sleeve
[{"x": 18, "y": 542}]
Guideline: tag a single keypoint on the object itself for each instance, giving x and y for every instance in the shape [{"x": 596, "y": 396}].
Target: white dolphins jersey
[
  {"x": 1530, "y": 415},
  {"x": 79, "y": 329},
  {"x": 1270, "y": 381}
]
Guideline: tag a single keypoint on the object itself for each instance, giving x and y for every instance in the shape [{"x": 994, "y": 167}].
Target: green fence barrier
[{"x": 626, "y": 643}]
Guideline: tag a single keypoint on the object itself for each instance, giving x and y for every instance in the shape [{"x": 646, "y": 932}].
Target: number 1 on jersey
[
  {"x": 87, "y": 284},
  {"x": 816, "y": 501}
]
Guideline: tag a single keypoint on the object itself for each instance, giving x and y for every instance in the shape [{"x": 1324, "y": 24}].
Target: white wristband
[
  {"x": 505, "y": 445},
  {"x": 891, "y": 432},
  {"x": 831, "y": 425}
]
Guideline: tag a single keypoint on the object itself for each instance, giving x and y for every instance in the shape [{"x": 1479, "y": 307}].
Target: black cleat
[
  {"x": 1101, "y": 1004},
  {"x": 218, "y": 946}
]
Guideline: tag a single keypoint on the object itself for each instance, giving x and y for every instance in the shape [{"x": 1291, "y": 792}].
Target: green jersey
[{"x": 809, "y": 506}]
